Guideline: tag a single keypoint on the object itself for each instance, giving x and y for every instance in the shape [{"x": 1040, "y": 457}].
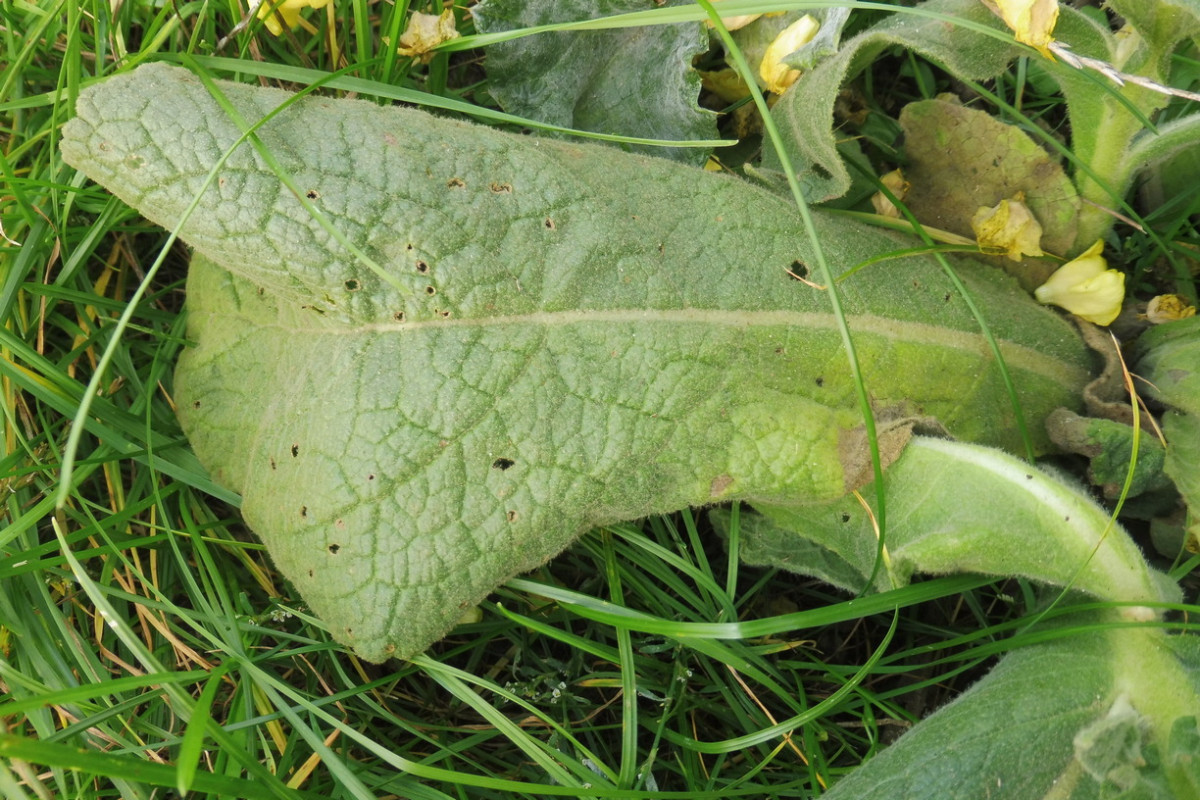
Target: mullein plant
[{"x": 308, "y": 396}]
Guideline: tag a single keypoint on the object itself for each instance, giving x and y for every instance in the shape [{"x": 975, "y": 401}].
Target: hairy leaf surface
[
  {"x": 1098, "y": 714},
  {"x": 956, "y": 507},
  {"x": 600, "y": 81},
  {"x": 561, "y": 336}
]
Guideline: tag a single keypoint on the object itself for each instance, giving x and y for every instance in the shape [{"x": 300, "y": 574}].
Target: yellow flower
[
  {"x": 1032, "y": 21},
  {"x": 288, "y": 9},
  {"x": 425, "y": 32},
  {"x": 777, "y": 75},
  {"x": 1086, "y": 287},
  {"x": 1010, "y": 227},
  {"x": 898, "y": 185}
]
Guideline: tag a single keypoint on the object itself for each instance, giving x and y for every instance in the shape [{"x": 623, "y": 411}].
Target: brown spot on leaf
[
  {"x": 719, "y": 485},
  {"x": 894, "y": 426}
]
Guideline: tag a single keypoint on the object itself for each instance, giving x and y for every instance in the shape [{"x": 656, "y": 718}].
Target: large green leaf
[
  {"x": 599, "y": 81},
  {"x": 548, "y": 345}
]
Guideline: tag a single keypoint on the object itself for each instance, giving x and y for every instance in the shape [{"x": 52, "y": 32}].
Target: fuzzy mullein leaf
[
  {"x": 962, "y": 159},
  {"x": 1109, "y": 444},
  {"x": 1167, "y": 358},
  {"x": 551, "y": 346},
  {"x": 602, "y": 81},
  {"x": 1162, "y": 24},
  {"x": 1094, "y": 714}
]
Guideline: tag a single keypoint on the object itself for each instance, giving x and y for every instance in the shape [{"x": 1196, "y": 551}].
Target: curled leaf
[
  {"x": 1010, "y": 227},
  {"x": 1086, "y": 287}
]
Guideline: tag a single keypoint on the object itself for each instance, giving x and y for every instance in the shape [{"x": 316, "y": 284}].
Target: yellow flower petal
[
  {"x": 777, "y": 75},
  {"x": 288, "y": 9},
  {"x": 1009, "y": 227},
  {"x": 425, "y": 32},
  {"x": 1086, "y": 287},
  {"x": 1168, "y": 308},
  {"x": 734, "y": 23},
  {"x": 1032, "y": 21},
  {"x": 898, "y": 186}
]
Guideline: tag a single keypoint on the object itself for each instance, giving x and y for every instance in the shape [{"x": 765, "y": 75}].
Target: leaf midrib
[{"x": 1017, "y": 355}]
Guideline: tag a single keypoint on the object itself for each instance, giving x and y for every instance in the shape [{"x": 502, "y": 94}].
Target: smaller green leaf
[
  {"x": 1168, "y": 358},
  {"x": 599, "y": 81},
  {"x": 1110, "y": 748},
  {"x": 1172, "y": 141},
  {"x": 766, "y": 543},
  {"x": 1108, "y": 444},
  {"x": 1183, "y": 757},
  {"x": 1183, "y": 465},
  {"x": 1077, "y": 718},
  {"x": 955, "y": 507}
]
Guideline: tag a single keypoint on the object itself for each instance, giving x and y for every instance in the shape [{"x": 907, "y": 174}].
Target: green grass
[{"x": 148, "y": 647}]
